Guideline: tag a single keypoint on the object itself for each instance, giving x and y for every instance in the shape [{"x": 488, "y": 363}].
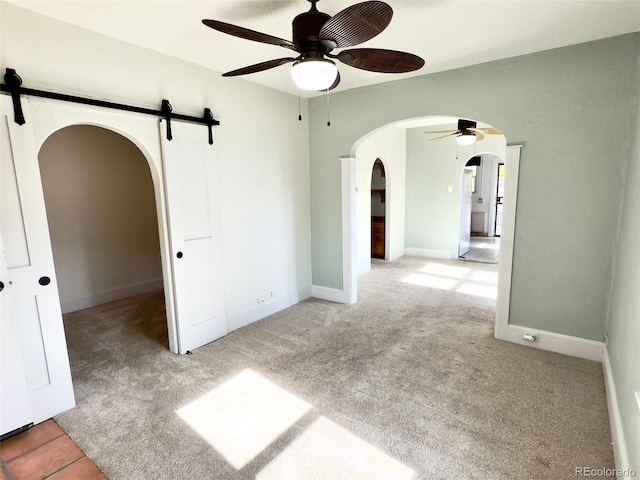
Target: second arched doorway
[{"x": 378, "y": 210}]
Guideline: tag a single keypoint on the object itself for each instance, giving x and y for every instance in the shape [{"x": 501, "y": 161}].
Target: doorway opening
[
  {"x": 378, "y": 209},
  {"x": 499, "y": 199},
  {"x": 103, "y": 222},
  {"x": 483, "y": 220}
]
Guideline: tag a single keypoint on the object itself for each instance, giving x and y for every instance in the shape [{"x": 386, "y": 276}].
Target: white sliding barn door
[
  {"x": 15, "y": 407},
  {"x": 30, "y": 284},
  {"x": 196, "y": 254}
]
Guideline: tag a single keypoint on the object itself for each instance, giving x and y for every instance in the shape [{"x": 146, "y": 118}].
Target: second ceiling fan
[
  {"x": 467, "y": 132},
  {"x": 317, "y": 34}
]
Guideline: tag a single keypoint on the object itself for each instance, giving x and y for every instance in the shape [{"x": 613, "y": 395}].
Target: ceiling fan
[
  {"x": 317, "y": 34},
  {"x": 467, "y": 133}
]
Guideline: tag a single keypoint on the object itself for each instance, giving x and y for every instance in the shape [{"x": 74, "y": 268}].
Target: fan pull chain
[
  {"x": 328, "y": 110},
  {"x": 299, "y": 108}
]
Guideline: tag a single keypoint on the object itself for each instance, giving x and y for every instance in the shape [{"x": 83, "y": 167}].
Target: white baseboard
[
  {"x": 331, "y": 294},
  {"x": 266, "y": 309},
  {"x": 617, "y": 436},
  {"x": 556, "y": 342},
  {"x": 111, "y": 295},
  {"x": 428, "y": 253}
]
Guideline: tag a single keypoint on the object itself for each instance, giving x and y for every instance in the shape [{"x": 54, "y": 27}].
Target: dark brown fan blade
[
  {"x": 259, "y": 67},
  {"x": 247, "y": 34},
  {"x": 380, "y": 60},
  {"x": 357, "y": 24}
]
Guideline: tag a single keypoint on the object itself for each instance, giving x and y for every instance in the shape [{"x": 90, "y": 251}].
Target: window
[{"x": 473, "y": 165}]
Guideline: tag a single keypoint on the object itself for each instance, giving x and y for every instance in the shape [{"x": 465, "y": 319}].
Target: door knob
[
  {"x": 179, "y": 255},
  {"x": 1, "y": 286},
  {"x": 44, "y": 281}
]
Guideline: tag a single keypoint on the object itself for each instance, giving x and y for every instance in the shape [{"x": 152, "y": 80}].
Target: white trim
[
  {"x": 331, "y": 294},
  {"x": 269, "y": 308},
  {"x": 512, "y": 166},
  {"x": 349, "y": 229},
  {"x": 615, "y": 421},
  {"x": 111, "y": 295},
  {"x": 427, "y": 252},
  {"x": 556, "y": 342}
]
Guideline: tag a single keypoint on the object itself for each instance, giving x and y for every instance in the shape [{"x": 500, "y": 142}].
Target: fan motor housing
[
  {"x": 464, "y": 125},
  {"x": 307, "y": 25}
]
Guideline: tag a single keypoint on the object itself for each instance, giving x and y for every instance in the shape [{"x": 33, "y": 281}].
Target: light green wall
[
  {"x": 623, "y": 328},
  {"x": 570, "y": 107},
  {"x": 433, "y": 213}
]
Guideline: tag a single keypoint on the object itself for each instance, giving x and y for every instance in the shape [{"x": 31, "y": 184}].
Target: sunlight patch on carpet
[
  {"x": 445, "y": 270},
  {"x": 485, "y": 277},
  {"x": 456, "y": 279},
  {"x": 430, "y": 281},
  {"x": 243, "y": 416},
  {"x": 326, "y": 450}
]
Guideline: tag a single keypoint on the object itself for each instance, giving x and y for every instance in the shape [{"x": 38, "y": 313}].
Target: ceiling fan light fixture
[
  {"x": 466, "y": 138},
  {"x": 314, "y": 74}
]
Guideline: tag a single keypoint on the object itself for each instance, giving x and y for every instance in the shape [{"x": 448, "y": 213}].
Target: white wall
[
  {"x": 262, "y": 148},
  {"x": 389, "y": 145},
  {"x": 433, "y": 213},
  {"x": 623, "y": 326},
  {"x": 102, "y": 216}
]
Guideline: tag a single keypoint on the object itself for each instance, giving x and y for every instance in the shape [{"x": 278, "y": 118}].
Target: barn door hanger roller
[{"x": 13, "y": 85}]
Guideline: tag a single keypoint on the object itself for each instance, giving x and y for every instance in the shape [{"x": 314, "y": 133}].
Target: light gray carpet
[{"x": 407, "y": 383}]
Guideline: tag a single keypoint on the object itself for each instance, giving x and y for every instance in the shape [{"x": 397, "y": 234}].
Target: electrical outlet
[{"x": 271, "y": 294}]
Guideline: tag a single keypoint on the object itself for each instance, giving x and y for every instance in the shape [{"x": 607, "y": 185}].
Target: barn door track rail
[{"x": 13, "y": 86}]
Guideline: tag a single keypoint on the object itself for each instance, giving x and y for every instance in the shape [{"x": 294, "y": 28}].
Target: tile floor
[
  {"x": 45, "y": 452},
  {"x": 484, "y": 249}
]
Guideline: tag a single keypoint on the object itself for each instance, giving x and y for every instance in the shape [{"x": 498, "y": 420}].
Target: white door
[
  {"x": 30, "y": 285},
  {"x": 15, "y": 408},
  {"x": 465, "y": 212},
  {"x": 190, "y": 168}
]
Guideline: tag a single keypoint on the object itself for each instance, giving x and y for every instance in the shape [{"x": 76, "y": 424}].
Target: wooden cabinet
[{"x": 377, "y": 237}]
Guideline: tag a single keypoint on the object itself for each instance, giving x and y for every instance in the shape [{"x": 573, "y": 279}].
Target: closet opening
[{"x": 103, "y": 222}]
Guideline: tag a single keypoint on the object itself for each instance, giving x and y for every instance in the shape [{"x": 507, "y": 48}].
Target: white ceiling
[{"x": 446, "y": 33}]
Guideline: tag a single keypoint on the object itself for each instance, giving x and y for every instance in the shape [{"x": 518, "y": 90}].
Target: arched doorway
[
  {"x": 102, "y": 215},
  {"x": 378, "y": 210},
  {"x": 350, "y": 181}
]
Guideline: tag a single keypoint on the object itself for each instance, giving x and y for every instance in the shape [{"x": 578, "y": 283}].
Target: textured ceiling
[{"x": 447, "y": 34}]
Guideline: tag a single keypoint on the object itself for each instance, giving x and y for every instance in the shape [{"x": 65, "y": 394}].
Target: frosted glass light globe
[
  {"x": 466, "y": 138},
  {"x": 314, "y": 74}
]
